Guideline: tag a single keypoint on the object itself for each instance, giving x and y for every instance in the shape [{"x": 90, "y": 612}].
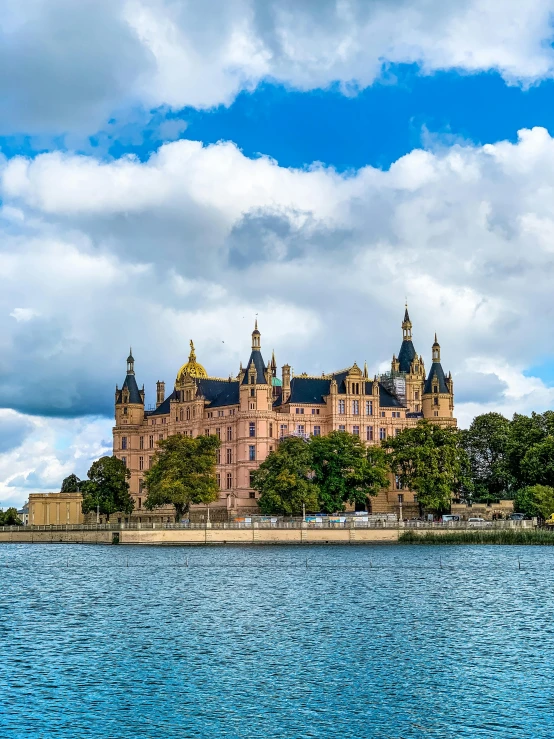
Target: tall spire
[
  {"x": 406, "y": 326},
  {"x": 256, "y": 337},
  {"x": 130, "y": 363},
  {"x": 436, "y": 350}
]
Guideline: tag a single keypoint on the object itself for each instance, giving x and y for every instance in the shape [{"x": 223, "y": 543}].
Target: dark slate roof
[
  {"x": 258, "y": 364},
  {"x": 436, "y": 371},
  {"x": 406, "y": 315},
  {"x": 163, "y": 408},
  {"x": 388, "y": 400},
  {"x": 134, "y": 394},
  {"x": 405, "y": 355},
  {"x": 228, "y": 395},
  {"x": 340, "y": 378},
  {"x": 309, "y": 390}
]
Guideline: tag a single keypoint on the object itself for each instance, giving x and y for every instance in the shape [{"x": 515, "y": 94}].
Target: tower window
[
  {"x": 435, "y": 389},
  {"x": 252, "y": 429},
  {"x": 270, "y": 429},
  {"x": 124, "y": 442},
  {"x": 435, "y": 401},
  {"x": 252, "y": 393},
  {"x": 252, "y": 453}
]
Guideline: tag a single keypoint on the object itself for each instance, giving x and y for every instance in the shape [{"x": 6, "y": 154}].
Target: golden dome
[{"x": 192, "y": 368}]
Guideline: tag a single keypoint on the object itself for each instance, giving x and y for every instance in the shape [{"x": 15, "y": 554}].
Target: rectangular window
[
  {"x": 124, "y": 460},
  {"x": 355, "y": 407},
  {"x": 218, "y": 433},
  {"x": 252, "y": 392},
  {"x": 397, "y": 432},
  {"x": 153, "y": 422},
  {"x": 435, "y": 401},
  {"x": 300, "y": 411},
  {"x": 160, "y": 437},
  {"x": 252, "y": 429},
  {"x": 382, "y": 434},
  {"x": 252, "y": 494},
  {"x": 252, "y": 406},
  {"x": 400, "y": 497},
  {"x": 436, "y": 413},
  {"x": 271, "y": 429},
  {"x": 283, "y": 430},
  {"x": 151, "y": 442},
  {"x": 342, "y": 428},
  {"x": 416, "y": 395},
  {"x": 317, "y": 430},
  {"x": 300, "y": 428},
  {"x": 218, "y": 480},
  {"x": 206, "y": 432},
  {"x": 220, "y": 413},
  {"x": 369, "y": 433},
  {"x": 252, "y": 453},
  {"x": 229, "y": 481},
  {"x": 141, "y": 463},
  {"x": 229, "y": 456},
  {"x": 251, "y": 478},
  {"x": 383, "y": 414},
  {"x": 140, "y": 502},
  {"x": 164, "y": 420},
  {"x": 341, "y": 406},
  {"x": 218, "y": 456},
  {"x": 124, "y": 442},
  {"x": 369, "y": 407},
  {"x": 229, "y": 433},
  {"x": 397, "y": 482},
  {"x": 125, "y": 411},
  {"x": 356, "y": 430},
  {"x": 141, "y": 442},
  {"x": 150, "y": 460}
]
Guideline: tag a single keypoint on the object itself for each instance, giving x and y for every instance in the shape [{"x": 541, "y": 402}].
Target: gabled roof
[
  {"x": 256, "y": 357},
  {"x": 130, "y": 384},
  {"x": 436, "y": 373},
  {"x": 309, "y": 390},
  {"x": 406, "y": 355},
  {"x": 228, "y": 394},
  {"x": 388, "y": 400}
]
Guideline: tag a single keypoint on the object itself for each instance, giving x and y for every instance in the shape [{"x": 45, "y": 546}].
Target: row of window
[
  {"x": 356, "y": 407},
  {"x": 300, "y": 411},
  {"x": 126, "y": 441}
]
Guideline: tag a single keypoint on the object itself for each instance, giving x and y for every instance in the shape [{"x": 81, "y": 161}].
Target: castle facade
[{"x": 253, "y": 410}]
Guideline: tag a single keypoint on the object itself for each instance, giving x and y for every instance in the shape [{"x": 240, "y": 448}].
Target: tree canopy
[
  {"x": 107, "y": 487},
  {"x": 526, "y": 433},
  {"x": 323, "y": 473},
  {"x": 284, "y": 479},
  {"x": 71, "y": 484},
  {"x": 485, "y": 443},
  {"x": 183, "y": 473},
  {"x": 430, "y": 460},
  {"x": 535, "y": 500},
  {"x": 346, "y": 471},
  {"x": 9, "y": 517}
]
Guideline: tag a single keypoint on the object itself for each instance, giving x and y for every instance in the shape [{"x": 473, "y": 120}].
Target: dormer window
[{"x": 435, "y": 389}]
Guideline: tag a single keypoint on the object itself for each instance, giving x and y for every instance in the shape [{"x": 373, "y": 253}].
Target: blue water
[{"x": 394, "y": 642}]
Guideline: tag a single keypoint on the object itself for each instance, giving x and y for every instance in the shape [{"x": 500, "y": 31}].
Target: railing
[{"x": 350, "y": 523}]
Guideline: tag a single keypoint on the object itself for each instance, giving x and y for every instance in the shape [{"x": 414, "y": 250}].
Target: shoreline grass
[{"x": 541, "y": 537}]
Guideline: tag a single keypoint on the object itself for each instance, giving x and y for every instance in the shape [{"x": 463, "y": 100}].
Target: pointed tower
[
  {"x": 255, "y": 388},
  {"x": 407, "y": 370},
  {"x": 407, "y": 351},
  {"x": 129, "y": 401},
  {"x": 438, "y": 393}
]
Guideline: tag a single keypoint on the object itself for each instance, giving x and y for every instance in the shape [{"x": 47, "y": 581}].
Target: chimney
[
  {"x": 160, "y": 393},
  {"x": 286, "y": 382}
]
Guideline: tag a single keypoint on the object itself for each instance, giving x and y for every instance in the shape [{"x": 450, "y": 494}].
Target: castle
[{"x": 252, "y": 411}]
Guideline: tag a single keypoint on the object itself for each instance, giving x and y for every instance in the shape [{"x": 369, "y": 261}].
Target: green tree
[
  {"x": 537, "y": 466},
  {"x": 430, "y": 460},
  {"x": 486, "y": 443},
  {"x": 9, "y": 517},
  {"x": 107, "y": 487},
  {"x": 71, "y": 484},
  {"x": 284, "y": 479},
  {"x": 346, "y": 471},
  {"x": 525, "y": 432},
  {"x": 183, "y": 473},
  {"x": 535, "y": 500}
]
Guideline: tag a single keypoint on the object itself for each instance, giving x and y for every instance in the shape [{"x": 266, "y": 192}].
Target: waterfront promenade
[{"x": 294, "y": 532}]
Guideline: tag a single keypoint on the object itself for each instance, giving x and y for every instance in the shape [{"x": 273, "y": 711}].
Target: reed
[{"x": 542, "y": 537}]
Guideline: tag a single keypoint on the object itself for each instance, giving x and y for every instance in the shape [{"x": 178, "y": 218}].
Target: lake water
[{"x": 394, "y": 642}]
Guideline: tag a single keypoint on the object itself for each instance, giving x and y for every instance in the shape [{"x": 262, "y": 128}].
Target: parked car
[
  {"x": 476, "y": 521},
  {"x": 517, "y": 517}
]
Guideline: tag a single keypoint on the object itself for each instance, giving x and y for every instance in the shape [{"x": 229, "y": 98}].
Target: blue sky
[{"x": 180, "y": 168}]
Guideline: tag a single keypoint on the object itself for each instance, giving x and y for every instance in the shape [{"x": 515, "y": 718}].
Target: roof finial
[
  {"x": 365, "y": 370},
  {"x": 256, "y": 335}
]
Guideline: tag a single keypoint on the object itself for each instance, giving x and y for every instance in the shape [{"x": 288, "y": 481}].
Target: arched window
[{"x": 181, "y": 415}]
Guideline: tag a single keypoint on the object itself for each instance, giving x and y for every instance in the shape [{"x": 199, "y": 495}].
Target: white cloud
[
  {"x": 23, "y": 314},
  {"x": 177, "y": 53}
]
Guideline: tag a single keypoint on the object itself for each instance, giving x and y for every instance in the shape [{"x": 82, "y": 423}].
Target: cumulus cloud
[
  {"x": 195, "y": 241},
  {"x": 161, "y": 52}
]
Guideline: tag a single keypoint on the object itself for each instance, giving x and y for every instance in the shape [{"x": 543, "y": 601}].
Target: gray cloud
[
  {"x": 478, "y": 387},
  {"x": 13, "y": 431}
]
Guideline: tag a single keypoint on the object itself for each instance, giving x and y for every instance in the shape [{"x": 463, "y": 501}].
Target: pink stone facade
[{"x": 252, "y": 411}]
